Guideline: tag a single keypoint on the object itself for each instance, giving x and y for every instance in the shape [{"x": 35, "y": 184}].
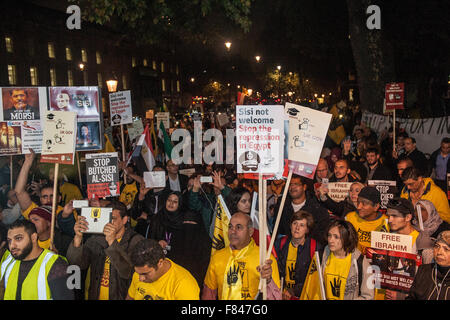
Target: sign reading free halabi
[{"x": 102, "y": 175}]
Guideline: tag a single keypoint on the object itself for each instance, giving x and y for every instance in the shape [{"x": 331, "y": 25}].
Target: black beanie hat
[{"x": 370, "y": 193}]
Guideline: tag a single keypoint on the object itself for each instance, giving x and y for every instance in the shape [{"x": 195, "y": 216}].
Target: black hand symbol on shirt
[
  {"x": 336, "y": 287},
  {"x": 291, "y": 270},
  {"x": 232, "y": 275}
]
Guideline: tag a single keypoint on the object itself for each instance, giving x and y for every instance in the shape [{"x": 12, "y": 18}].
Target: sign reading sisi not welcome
[{"x": 259, "y": 138}]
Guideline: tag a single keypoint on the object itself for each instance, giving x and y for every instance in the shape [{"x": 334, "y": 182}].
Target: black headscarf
[{"x": 174, "y": 219}]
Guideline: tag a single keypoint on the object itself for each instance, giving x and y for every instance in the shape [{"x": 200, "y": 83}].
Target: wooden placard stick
[
  {"x": 54, "y": 204},
  {"x": 280, "y": 210},
  {"x": 123, "y": 154}
]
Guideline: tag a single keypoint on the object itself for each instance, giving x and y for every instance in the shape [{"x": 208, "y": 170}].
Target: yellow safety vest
[{"x": 35, "y": 285}]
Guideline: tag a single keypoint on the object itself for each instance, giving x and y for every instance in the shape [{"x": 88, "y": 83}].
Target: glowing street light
[
  {"x": 192, "y": 79},
  {"x": 279, "y": 68},
  {"x": 228, "y": 45},
  {"x": 258, "y": 58},
  {"x": 249, "y": 91}
]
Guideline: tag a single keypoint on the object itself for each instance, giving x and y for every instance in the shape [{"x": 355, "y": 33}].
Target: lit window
[
  {"x": 84, "y": 55},
  {"x": 51, "y": 50},
  {"x": 178, "y": 85},
  {"x": 69, "y": 78},
  {"x": 124, "y": 82},
  {"x": 11, "y": 74},
  {"x": 99, "y": 80},
  {"x": 162, "y": 66},
  {"x": 133, "y": 62},
  {"x": 33, "y": 76},
  {"x": 163, "y": 85},
  {"x": 154, "y": 65},
  {"x": 9, "y": 45},
  {"x": 53, "y": 77},
  {"x": 145, "y": 62},
  {"x": 68, "y": 54},
  {"x": 98, "y": 57}
]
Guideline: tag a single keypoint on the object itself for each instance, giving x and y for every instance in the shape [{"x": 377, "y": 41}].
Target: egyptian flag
[{"x": 144, "y": 151}]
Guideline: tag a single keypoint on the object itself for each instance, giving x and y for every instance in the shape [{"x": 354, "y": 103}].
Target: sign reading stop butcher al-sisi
[
  {"x": 395, "y": 95},
  {"x": 120, "y": 107},
  {"x": 307, "y": 132},
  {"x": 102, "y": 175},
  {"x": 259, "y": 138}
]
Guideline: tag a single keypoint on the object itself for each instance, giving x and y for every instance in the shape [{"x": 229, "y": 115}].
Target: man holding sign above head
[{"x": 107, "y": 255}]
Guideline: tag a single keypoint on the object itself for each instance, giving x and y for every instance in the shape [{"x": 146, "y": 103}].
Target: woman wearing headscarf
[
  {"x": 168, "y": 220},
  {"x": 432, "y": 222}
]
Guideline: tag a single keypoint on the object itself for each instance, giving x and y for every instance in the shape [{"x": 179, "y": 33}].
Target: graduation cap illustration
[
  {"x": 50, "y": 116},
  {"x": 292, "y": 111},
  {"x": 116, "y": 118}
]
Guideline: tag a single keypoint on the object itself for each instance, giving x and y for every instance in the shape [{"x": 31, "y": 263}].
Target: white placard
[
  {"x": 338, "y": 191},
  {"x": 259, "y": 138},
  {"x": 391, "y": 241},
  {"x": 96, "y": 218},
  {"x": 120, "y": 108},
  {"x": 155, "y": 179},
  {"x": 165, "y": 118}
]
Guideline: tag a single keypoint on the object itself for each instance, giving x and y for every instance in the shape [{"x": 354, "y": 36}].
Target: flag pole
[
  {"x": 260, "y": 212},
  {"x": 55, "y": 196},
  {"x": 123, "y": 155},
  {"x": 262, "y": 231},
  {"x": 11, "y": 172},
  {"x": 79, "y": 169},
  {"x": 280, "y": 210}
]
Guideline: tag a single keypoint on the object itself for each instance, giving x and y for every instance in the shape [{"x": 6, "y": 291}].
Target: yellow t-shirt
[
  {"x": 44, "y": 244},
  {"x": 290, "y": 266},
  {"x": 365, "y": 227},
  {"x": 335, "y": 276},
  {"x": 247, "y": 270},
  {"x": 104, "y": 283},
  {"x": 176, "y": 284}
]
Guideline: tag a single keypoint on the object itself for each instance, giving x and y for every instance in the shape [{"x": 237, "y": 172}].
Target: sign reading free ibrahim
[
  {"x": 259, "y": 138},
  {"x": 307, "y": 132}
]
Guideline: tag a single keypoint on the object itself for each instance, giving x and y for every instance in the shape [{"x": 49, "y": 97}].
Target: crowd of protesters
[{"x": 158, "y": 244}]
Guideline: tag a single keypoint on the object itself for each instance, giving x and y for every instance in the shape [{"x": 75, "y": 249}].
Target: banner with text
[
  {"x": 338, "y": 191},
  {"x": 307, "y": 132},
  {"x": 388, "y": 189},
  {"x": 427, "y": 132},
  {"x": 102, "y": 172},
  {"x": 259, "y": 138},
  {"x": 120, "y": 108}
]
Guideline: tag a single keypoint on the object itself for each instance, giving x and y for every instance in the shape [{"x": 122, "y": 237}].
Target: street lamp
[
  {"x": 112, "y": 85},
  {"x": 279, "y": 68},
  {"x": 258, "y": 58},
  {"x": 192, "y": 79},
  {"x": 228, "y": 45},
  {"x": 81, "y": 66},
  {"x": 250, "y": 91}
]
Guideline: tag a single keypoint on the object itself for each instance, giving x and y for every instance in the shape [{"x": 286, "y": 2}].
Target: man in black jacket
[
  {"x": 440, "y": 164},
  {"x": 417, "y": 157},
  {"x": 107, "y": 255},
  {"x": 296, "y": 200},
  {"x": 376, "y": 170}
]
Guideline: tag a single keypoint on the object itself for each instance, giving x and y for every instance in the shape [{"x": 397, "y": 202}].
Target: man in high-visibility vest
[{"x": 29, "y": 272}]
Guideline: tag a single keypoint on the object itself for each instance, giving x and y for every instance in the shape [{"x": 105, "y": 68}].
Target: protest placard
[
  {"x": 85, "y": 101},
  {"x": 96, "y": 218},
  {"x": 393, "y": 260},
  {"x": 120, "y": 108},
  {"x": 187, "y": 172},
  {"x": 338, "y": 191},
  {"x": 259, "y": 139},
  {"x": 222, "y": 119},
  {"x": 387, "y": 190},
  {"x": 165, "y": 118},
  {"x": 58, "y": 142},
  {"x": 155, "y": 179},
  {"x": 307, "y": 132},
  {"x": 102, "y": 172},
  {"x": 135, "y": 129},
  {"x": 394, "y": 95}
]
